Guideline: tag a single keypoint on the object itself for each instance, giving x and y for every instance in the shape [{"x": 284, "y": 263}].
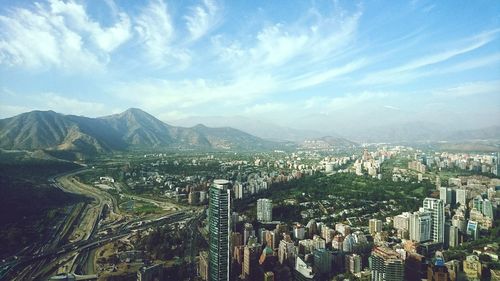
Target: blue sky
[{"x": 306, "y": 64}]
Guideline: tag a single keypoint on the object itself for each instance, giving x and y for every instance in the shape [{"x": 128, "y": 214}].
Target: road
[{"x": 74, "y": 241}]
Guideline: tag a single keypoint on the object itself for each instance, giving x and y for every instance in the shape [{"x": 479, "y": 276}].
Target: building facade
[
  {"x": 264, "y": 210},
  {"x": 219, "y": 229}
]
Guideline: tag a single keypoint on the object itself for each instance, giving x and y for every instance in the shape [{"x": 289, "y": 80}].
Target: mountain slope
[
  {"x": 137, "y": 127},
  {"x": 133, "y": 128},
  {"x": 261, "y": 129},
  {"x": 51, "y": 130}
]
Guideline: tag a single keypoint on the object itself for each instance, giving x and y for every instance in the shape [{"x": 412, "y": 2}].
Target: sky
[{"x": 301, "y": 64}]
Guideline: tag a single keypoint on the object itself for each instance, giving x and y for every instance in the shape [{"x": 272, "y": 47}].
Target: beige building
[{"x": 472, "y": 268}]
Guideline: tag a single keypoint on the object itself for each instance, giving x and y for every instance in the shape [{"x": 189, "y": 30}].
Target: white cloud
[
  {"x": 65, "y": 37},
  {"x": 202, "y": 19},
  {"x": 284, "y": 58},
  {"x": 156, "y": 33},
  {"x": 106, "y": 39}
]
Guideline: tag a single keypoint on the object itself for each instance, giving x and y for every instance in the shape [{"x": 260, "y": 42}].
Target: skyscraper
[
  {"x": 420, "y": 226},
  {"x": 436, "y": 208},
  {"x": 264, "y": 210},
  {"x": 219, "y": 214}
]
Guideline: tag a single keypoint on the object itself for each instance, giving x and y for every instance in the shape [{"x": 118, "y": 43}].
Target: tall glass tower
[{"x": 219, "y": 226}]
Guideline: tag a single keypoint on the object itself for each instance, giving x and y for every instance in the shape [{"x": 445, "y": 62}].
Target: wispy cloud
[
  {"x": 472, "y": 88},
  {"x": 156, "y": 33},
  {"x": 405, "y": 71},
  {"x": 202, "y": 19},
  {"x": 282, "y": 58},
  {"x": 285, "y": 45},
  {"x": 316, "y": 78}
]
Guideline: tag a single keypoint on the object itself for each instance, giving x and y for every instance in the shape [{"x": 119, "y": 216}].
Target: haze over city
[{"x": 321, "y": 65}]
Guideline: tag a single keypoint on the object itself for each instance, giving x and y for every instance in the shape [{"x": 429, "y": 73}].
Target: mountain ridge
[{"x": 133, "y": 128}]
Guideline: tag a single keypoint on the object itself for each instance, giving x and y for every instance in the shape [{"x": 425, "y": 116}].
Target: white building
[
  {"x": 436, "y": 208},
  {"x": 375, "y": 226},
  {"x": 420, "y": 226},
  {"x": 402, "y": 222},
  {"x": 264, "y": 210}
]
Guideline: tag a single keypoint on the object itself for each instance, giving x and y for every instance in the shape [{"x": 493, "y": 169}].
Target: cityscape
[{"x": 250, "y": 141}]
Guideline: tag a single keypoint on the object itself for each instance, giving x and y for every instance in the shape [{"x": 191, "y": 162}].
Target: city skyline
[{"x": 310, "y": 65}]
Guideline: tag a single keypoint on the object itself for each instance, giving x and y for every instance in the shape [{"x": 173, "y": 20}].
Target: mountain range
[
  {"x": 131, "y": 129},
  {"x": 259, "y": 128},
  {"x": 62, "y": 135},
  {"x": 402, "y": 132}
]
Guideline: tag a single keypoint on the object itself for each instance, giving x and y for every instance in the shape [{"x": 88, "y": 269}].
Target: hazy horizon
[{"x": 320, "y": 66}]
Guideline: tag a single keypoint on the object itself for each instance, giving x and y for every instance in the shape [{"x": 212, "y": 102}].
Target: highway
[{"x": 85, "y": 229}]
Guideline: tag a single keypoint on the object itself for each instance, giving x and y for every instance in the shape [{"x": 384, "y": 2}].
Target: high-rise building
[
  {"x": 420, "y": 226},
  {"x": 461, "y": 197},
  {"x": 386, "y": 265},
  {"x": 327, "y": 233},
  {"x": 353, "y": 263},
  {"x": 238, "y": 190},
  {"x": 312, "y": 228},
  {"x": 219, "y": 229},
  {"x": 454, "y": 238},
  {"x": 264, "y": 210},
  {"x": 375, "y": 226},
  {"x": 447, "y": 195},
  {"x": 477, "y": 203},
  {"x": 247, "y": 232},
  {"x": 250, "y": 259},
  {"x": 436, "y": 208},
  {"x": 323, "y": 261},
  {"x": 488, "y": 209},
  {"x": 338, "y": 242},
  {"x": 459, "y": 221},
  {"x": 299, "y": 232},
  {"x": 286, "y": 250}
]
